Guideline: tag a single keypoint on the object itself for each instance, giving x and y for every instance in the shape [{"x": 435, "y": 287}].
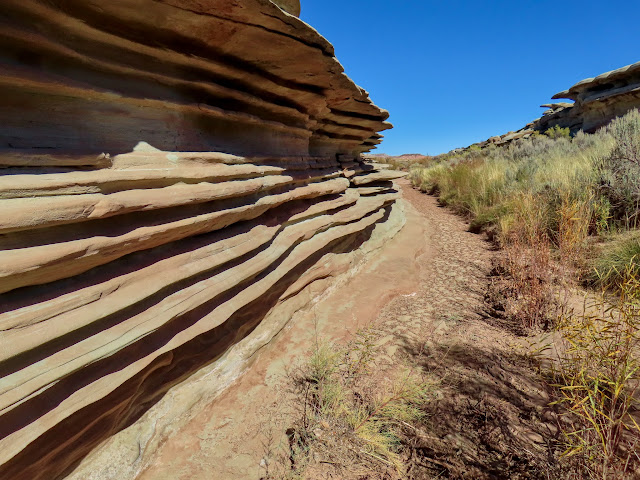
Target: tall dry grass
[
  {"x": 559, "y": 189},
  {"x": 494, "y": 188},
  {"x": 546, "y": 201},
  {"x": 351, "y": 414},
  {"x": 538, "y": 199},
  {"x": 597, "y": 382}
]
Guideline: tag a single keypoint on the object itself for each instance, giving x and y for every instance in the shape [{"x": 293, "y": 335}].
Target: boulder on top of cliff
[
  {"x": 290, "y": 6},
  {"x": 609, "y": 83},
  {"x": 556, "y": 106}
]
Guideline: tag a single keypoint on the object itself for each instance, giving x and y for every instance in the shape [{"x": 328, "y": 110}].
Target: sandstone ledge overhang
[
  {"x": 289, "y": 6},
  {"x": 610, "y": 83},
  {"x": 182, "y": 75}
]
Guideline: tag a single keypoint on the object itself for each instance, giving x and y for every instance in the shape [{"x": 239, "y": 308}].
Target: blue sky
[{"x": 456, "y": 72}]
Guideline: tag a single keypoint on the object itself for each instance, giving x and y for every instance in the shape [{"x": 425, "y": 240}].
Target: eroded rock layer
[
  {"x": 182, "y": 75},
  {"x": 597, "y": 100},
  {"x": 173, "y": 173}
]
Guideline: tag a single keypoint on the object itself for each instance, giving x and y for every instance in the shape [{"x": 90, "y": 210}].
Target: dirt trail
[{"x": 425, "y": 291}]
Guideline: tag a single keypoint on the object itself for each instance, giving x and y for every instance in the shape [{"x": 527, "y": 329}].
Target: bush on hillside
[
  {"x": 618, "y": 260},
  {"x": 620, "y": 170},
  {"x": 557, "y": 132}
]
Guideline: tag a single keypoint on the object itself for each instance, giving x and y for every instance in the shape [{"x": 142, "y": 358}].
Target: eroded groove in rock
[{"x": 172, "y": 174}]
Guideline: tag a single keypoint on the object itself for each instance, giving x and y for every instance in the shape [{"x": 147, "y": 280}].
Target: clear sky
[{"x": 452, "y": 73}]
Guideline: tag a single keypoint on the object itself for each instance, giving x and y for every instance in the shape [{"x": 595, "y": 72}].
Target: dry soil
[{"x": 424, "y": 291}]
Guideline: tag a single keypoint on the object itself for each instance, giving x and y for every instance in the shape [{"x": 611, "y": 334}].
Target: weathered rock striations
[
  {"x": 177, "y": 178},
  {"x": 289, "y": 6},
  {"x": 182, "y": 75}
]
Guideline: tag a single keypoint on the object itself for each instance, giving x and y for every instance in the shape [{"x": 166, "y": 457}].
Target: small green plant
[
  {"x": 601, "y": 216},
  {"x": 557, "y": 132}
]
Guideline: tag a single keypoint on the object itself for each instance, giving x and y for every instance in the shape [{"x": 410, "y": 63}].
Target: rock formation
[
  {"x": 177, "y": 178},
  {"x": 597, "y": 101},
  {"x": 290, "y": 6}
]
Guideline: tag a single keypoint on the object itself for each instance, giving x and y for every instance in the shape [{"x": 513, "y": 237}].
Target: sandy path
[{"x": 425, "y": 290}]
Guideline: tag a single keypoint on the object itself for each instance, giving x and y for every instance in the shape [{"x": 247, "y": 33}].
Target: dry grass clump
[
  {"x": 521, "y": 285},
  {"x": 352, "y": 416},
  {"x": 563, "y": 190},
  {"x": 597, "y": 378},
  {"x": 618, "y": 262}
]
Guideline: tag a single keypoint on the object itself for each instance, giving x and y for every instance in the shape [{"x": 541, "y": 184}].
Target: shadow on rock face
[{"x": 71, "y": 440}]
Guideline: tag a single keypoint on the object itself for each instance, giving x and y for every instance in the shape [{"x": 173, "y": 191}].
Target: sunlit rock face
[
  {"x": 597, "y": 100},
  {"x": 289, "y": 6},
  {"x": 177, "y": 179}
]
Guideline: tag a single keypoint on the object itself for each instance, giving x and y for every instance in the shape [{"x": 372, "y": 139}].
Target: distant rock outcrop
[
  {"x": 597, "y": 101},
  {"x": 177, "y": 178}
]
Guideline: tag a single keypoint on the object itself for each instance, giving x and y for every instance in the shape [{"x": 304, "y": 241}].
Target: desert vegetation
[
  {"x": 564, "y": 212},
  {"x": 354, "y": 413}
]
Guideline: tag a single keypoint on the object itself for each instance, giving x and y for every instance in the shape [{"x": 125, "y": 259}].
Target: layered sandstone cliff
[{"x": 177, "y": 178}]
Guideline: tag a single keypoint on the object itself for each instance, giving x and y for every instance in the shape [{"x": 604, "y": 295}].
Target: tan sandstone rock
[
  {"x": 176, "y": 177},
  {"x": 289, "y": 6}
]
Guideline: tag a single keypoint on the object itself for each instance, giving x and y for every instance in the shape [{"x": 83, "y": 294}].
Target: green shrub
[
  {"x": 616, "y": 261},
  {"x": 557, "y": 132}
]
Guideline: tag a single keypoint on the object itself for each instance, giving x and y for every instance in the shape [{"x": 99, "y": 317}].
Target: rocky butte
[
  {"x": 177, "y": 179},
  {"x": 596, "y": 101}
]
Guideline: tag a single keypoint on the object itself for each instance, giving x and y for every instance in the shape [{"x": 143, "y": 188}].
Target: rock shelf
[{"x": 172, "y": 173}]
